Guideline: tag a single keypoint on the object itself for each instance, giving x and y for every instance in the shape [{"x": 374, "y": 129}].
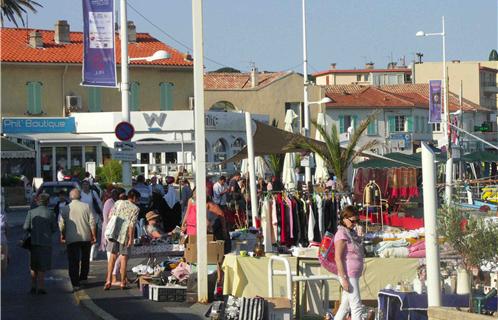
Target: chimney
[
  {"x": 254, "y": 77},
  {"x": 132, "y": 32},
  {"x": 61, "y": 34},
  {"x": 35, "y": 39},
  {"x": 332, "y": 66},
  {"x": 369, "y": 65},
  {"x": 391, "y": 65}
]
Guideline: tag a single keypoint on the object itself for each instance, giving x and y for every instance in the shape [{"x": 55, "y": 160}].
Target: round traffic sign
[{"x": 124, "y": 131}]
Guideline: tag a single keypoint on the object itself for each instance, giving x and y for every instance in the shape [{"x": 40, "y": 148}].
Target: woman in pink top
[
  {"x": 189, "y": 225},
  {"x": 349, "y": 261}
]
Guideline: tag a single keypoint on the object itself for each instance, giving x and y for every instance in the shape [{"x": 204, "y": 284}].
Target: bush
[
  {"x": 110, "y": 172},
  {"x": 11, "y": 181}
]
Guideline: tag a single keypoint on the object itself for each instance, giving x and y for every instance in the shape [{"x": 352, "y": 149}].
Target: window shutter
[
  {"x": 94, "y": 103},
  {"x": 134, "y": 96},
  {"x": 34, "y": 97},
  {"x": 416, "y": 124},
  {"x": 341, "y": 124},
  {"x": 409, "y": 124},
  {"x": 166, "y": 98},
  {"x": 355, "y": 122},
  {"x": 392, "y": 123},
  {"x": 372, "y": 128}
]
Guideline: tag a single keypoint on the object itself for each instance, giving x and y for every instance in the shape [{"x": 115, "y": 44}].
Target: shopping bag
[
  {"x": 111, "y": 232},
  {"x": 326, "y": 253}
]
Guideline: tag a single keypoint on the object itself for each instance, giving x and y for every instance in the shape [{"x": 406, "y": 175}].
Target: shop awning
[
  {"x": 485, "y": 156},
  {"x": 394, "y": 160},
  {"x": 58, "y": 137},
  {"x": 13, "y": 150}
]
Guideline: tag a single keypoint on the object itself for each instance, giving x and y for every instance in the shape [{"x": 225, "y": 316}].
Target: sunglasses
[{"x": 353, "y": 220}]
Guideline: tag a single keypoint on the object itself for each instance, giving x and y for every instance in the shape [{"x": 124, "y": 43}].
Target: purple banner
[
  {"x": 435, "y": 101},
  {"x": 99, "y": 58}
]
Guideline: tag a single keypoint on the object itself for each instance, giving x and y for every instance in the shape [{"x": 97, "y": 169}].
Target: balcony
[{"x": 490, "y": 87}]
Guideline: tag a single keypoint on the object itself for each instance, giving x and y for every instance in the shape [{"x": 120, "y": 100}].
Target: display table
[
  {"x": 247, "y": 276},
  {"x": 411, "y": 305},
  {"x": 157, "y": 249}
]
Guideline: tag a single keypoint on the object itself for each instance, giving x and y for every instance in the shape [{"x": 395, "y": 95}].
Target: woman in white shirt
[{"x": 91, "y": 198}]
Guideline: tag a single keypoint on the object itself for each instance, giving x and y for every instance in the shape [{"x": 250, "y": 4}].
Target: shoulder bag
[{"x": 112, "y": 230}]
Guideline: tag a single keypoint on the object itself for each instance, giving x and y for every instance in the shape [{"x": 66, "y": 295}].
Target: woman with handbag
[
  {"x": 349, "y": 261},
  {"x": 40, "y": 223}
]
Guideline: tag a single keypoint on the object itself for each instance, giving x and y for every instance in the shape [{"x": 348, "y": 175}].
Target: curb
[{"x": 85, "y": 301}]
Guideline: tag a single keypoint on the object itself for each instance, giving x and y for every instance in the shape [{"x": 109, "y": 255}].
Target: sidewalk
[{"x": 129, "y": 304}]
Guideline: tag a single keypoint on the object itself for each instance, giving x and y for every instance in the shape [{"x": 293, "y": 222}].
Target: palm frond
[{"x": 14, "y": 10}]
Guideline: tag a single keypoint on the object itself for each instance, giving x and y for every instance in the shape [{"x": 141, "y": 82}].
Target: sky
[{"x": 268, "y": 33}]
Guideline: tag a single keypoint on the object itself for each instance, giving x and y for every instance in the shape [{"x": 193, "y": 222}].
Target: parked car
[{"x": 53, "y": 189}]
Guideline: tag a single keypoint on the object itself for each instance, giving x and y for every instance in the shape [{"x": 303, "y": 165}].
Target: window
[
  {"x": 372, "y": 129},
  {"x": 134, "y": 96},
  {"x": 237, "y": 145},
  {"x": 94, "y": 103},
  {"x": 34, "y": 97},
  {"x": 365, "y": 77},
  {"x": 347, "y": 121},
  {"x": 417, "y": 125},
  {"x": 219, "y": 151},
  {"x": 436, "y": 127},
  {"x": 400, "y": 123},
  {"x": 358, "y": 77},
  {"x": 166, "y": 98}
]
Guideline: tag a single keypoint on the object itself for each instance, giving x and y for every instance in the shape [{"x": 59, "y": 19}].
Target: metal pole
[
  {"x": 125, "y": 110},
  {"x": 200, "y": 163},
  {"x": 431, "y": 241},
  {"x": 252, "y": 173},
  {"x": 446, "y": 128},
  {"x": 307, "y": 173}
]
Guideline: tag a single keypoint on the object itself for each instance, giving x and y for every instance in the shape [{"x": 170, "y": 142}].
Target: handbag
[
  {"x": 326, "y": 253},
  {"x": 26, "y": 241},
  {"x": 113, "y": 228}
]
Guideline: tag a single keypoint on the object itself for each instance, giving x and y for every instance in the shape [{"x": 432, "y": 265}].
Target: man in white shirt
[
  {"x": 91, "y": 198},
  {"x": 220, "y": 190},
  {"x": 60, "y": 174}
]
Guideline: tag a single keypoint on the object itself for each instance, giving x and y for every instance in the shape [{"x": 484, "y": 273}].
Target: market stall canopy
[
  {"x": 13, "y": 150},
  {"x": 485, "y": 156},
  {"x": 271, "y": 140},
  {"x": 393, "y": 160}
]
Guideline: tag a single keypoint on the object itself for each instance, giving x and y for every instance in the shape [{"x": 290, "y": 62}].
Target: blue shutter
[
  {"x": 372, "y": 128},
  {"x": 341, "y": 124},
  {"x": 94, "y": 97},
  {"x": 166, "y": 98},
  {"x": 392, "y": 123},
  {"x": 134, "y": 96},
  {"x": 34, "y": 97},
  {"x": 409, "y": 124}
]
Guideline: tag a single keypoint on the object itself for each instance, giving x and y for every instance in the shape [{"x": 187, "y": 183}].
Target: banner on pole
[
  {"x": 99, "y": 57},
  {"x": 435, "y": 101}
]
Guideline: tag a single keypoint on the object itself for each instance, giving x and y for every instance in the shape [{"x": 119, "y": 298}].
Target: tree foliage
[
  {"x": 110, "y": 172},
  {"x": 339, "y": 157},
  {"x": 13, "y": 10}
]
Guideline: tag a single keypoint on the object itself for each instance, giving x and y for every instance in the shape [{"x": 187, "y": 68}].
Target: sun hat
[{"x": 151, "y": 215}]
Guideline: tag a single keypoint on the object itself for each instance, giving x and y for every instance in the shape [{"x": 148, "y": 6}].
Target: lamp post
[
  {"x": 307, "y": 172},
  {"x": 446, "y": 121},
  {"x": 125, "y": 85},
  {"x": 320, "y": 102}
]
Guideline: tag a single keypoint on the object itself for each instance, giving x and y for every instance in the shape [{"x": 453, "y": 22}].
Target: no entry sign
[{"x": 124, "y": 131}]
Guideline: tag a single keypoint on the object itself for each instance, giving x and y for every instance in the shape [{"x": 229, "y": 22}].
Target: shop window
[
  {"x": 219, "y": 151},
  {"x": 134, "y": 96},
  {"x": 94, "y": 99},
  {"x": 34, "y": 97},
  {"x": 237, "y": 145},
  {"x": 46, "y": 163},
  {"x": 90, "y": 154},
  {"x": 166, "y": 98},
  {"x": 76, "y": 156},
  {"x": 61, "y": 157}
]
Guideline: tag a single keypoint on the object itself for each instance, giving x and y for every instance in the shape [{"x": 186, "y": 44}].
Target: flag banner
[
  {"x": 435, "y": 101},
  {"x": 99, "y": 57}
]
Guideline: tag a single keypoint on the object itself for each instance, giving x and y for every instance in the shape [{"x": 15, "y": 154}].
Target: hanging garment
[
  {"x": 319, "y": 207},
  {"x": 311, "y": 224},
  {"x": 274, "y": 220},
  {"x": 266, "y": 222},
  {"x": 288, "y": 203}
]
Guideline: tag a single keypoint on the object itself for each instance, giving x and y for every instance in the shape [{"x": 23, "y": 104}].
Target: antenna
[{"x": 419, "y": 56}]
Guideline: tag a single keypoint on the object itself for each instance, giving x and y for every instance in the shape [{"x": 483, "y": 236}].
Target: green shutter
[
  {"x": 409, "y": 123},
  {"x": 392, "y": 123},
  {"x": 341, "y": 124},
  {"x": 34, "y": 97},
  {"x": 94, "y": 99},
  {"x": 372, "y": 128},
  {"x": 134, "y": 96},
  {"x": 416, "y": 124},
  {"x": 166, "y": 98},
  {"x": 355, "y": 122}
]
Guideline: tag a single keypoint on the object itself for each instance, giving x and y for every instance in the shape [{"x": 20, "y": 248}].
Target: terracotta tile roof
[
  {"x": 240, "y": 81},
  {"x": 15, "y": 48},
  {"x": 331, "y": 71},
  {"x": 390, "y": 96}
]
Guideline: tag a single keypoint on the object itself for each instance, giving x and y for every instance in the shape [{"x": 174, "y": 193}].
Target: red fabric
[{"x": 408, "y": 223}]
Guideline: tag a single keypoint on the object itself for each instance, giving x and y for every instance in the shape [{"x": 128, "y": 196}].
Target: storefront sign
[
  {"x": 38, "y": 125},
  {"x": 401, "y": 140},
  {"x": 151, "y": 118},
  {"x": 435, "y": 101},
  {"x": 99, "y": 62}
]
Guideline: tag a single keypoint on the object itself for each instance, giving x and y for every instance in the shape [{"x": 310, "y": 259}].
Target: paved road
[{"x": 17, "y": 304}]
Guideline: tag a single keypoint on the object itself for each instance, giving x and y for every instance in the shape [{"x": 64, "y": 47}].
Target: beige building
[
  {"x": 477, "y": 80},
  {"x": 266, "y": 93},
  {"x": 42, "y": 72},
  {"x": 367, "y": 76}
]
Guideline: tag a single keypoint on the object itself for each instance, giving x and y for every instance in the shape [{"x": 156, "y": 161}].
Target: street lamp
[
  {"x": 322, "y": 101},
  {"x": 125, "y": 86},
  {"x": 446, "y": 131}
]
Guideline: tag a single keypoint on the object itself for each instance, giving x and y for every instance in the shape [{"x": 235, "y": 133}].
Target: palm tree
[
  {"x": 338, "y": 158},
  {"x": 14, "y": 10}
]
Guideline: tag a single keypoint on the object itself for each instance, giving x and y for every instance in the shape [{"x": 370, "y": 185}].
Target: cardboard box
[
  {"x": 215, "y": 252},
  {"x": 193, "y": 239},
  {"x": 279, "y": 309}
]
